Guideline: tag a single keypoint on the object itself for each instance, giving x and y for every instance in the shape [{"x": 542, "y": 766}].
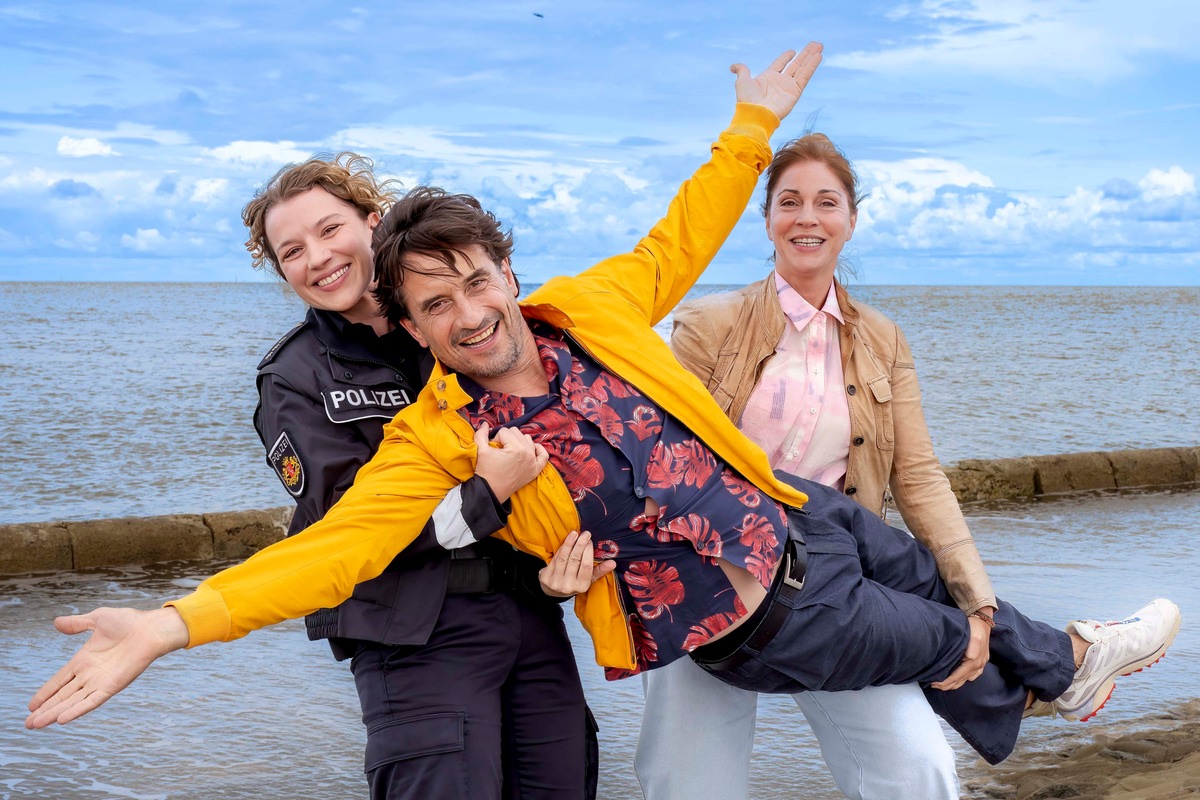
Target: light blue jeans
[{"x": 880, "y": 743}]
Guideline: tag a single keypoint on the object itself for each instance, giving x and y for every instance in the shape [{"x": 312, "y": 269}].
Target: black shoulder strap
[{"x": 275, "y": 348}]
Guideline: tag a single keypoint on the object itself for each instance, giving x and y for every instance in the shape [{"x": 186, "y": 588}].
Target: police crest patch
[{"x": 285, "y": 460}]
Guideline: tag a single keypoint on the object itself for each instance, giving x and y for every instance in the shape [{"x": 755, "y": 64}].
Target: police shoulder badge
[{"x": 285, "y": 460}]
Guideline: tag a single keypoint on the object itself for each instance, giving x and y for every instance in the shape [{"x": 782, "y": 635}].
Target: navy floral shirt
[{"x": 615, "y": 448}]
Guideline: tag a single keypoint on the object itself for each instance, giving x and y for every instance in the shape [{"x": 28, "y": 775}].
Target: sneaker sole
[{"x": 1107, "y": 687}]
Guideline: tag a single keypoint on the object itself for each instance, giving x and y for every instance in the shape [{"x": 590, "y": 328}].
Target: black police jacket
[{"x": 325, "y": 391}]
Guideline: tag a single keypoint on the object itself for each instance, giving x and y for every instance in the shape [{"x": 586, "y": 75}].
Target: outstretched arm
[{"x": 123, "y": 643}]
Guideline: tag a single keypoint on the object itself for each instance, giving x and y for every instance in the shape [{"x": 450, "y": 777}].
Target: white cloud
[
  {"x": 136, "y": 130},
  {"x": 208, "y": 190},
  {"x": 928, "y": 205},
  {"x": 81, "y": 148},
  {"x": 83, "y": 240},
  {"x": 896, "y": 188},
  {"x": 10, "y": 241},
  {"x": 1175, "y": 182},
  {"x": 432, "y": 144},
  {"x": 259, "y": 153},
  {"x": 1035, "y": 41},
  {"x": 923, "y": 174},
  {"x": 146, "y": 240}
]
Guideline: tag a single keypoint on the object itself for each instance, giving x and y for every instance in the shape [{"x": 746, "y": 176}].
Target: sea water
[
  {"x": 122, "y": 399},
  {"x": 134, "y": 399}
]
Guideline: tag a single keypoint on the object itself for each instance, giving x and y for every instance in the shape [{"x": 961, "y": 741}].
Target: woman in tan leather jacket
[{"x": 827, "y": 387}]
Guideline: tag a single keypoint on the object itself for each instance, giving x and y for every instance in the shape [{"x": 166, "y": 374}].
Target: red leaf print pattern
[
  {"x": 549, "y": 362},
  {"x": 553, "y": 423},
  {"x": 573, "y": 385},
  {"x": 644, "y": 646},
  {"x": 699, "y": 531},
  {"x": 606, "y": 549},
  {"x": 707, "y": 628},
  {"x": 580, "y": 471},
  {"x": 552, "y": 344},
  {"x": 661, "y": 472},
  {"x": 695, "y": 460},
  {"x": 757, "y": 533},
  {"x": 760, "y": 565},
  {"x": 645, "y": 423},
  {"x": 603, "y": 417},
  {"x": 654, "y": 587},
  {"x": 645, "y": 651},
  {"x": 607, "y": 384},
  {"x": 501, "y": 408},
  {"x": 647, "y": 524},
  {"x": 742, "y": 489}
]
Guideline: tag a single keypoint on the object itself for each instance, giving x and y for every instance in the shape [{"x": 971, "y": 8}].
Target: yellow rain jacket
[{"x": 428, "y": 449}]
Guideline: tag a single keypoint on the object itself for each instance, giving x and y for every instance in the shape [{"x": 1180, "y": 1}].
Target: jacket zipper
[{"x": 356, "y": 359}]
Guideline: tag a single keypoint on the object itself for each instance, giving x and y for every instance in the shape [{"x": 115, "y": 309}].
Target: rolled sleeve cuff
[
  {"x": 205, "y": 614},
  {"x": 755, "y": 121},
  {"x": 482, "y": 512},
  {"x": 986, "y": 602}
]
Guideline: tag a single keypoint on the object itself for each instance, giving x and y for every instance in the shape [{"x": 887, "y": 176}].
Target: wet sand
[{"x": 1155, "y": 757}]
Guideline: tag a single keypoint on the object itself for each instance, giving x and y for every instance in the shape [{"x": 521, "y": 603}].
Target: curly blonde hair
[{"x": 347, "y": 176}]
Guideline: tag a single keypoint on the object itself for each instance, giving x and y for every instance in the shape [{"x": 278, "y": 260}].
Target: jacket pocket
[{"x": 881, "y": 392}]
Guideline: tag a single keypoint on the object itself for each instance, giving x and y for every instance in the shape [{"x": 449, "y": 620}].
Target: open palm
[
  {"x": 780, "y": 85},
  {"x": 123, "y": 643}
]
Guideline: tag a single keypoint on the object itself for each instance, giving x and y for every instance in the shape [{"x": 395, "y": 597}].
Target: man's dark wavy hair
[{"x": 431, "y": 222}]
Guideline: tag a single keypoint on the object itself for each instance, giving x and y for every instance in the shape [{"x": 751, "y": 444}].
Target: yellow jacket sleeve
[{"x": 386, "y": 508}]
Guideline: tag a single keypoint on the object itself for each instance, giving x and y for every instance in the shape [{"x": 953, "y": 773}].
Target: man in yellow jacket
[{"x": 779, "y": 599}]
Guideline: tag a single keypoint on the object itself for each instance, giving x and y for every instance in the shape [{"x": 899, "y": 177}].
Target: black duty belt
[
  {"x": 760, "y": 628},
  {"x": 502, "y": 569},
  {"x": 484, "y": 574}
]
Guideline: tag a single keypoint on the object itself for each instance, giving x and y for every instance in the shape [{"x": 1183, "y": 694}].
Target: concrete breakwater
[{"x": 38, "y": 547}]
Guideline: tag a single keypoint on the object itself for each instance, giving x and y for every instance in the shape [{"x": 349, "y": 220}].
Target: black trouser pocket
[{"x": 417, "y": 757}]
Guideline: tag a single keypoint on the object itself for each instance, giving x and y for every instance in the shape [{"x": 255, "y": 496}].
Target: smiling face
[
  {"x": 809, "y": 220},
  {"x": 323, "y": 245},
  {"x": 469, "y": 318}
]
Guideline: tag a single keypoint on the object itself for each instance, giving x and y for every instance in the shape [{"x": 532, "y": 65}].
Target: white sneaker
[{"x": 1118, "y": 648}]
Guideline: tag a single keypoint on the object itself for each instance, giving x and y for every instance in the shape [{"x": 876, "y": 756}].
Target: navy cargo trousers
[
  {"x": 490, "y": 708},
  {"x": 873, "y": 611}
]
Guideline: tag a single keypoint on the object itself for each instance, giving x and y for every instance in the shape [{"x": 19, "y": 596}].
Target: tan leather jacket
[{"x": 726, "y": 339}]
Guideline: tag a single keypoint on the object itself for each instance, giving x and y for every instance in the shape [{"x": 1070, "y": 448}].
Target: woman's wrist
[{"x": 985, "y": 615}]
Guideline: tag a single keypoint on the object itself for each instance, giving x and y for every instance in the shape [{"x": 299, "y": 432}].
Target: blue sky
[{"x": 1001, "y": 141}]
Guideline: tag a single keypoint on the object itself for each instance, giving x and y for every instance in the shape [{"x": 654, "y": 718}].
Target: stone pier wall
[
  {"x": 41, "y": 546},
  {"x": 45, "y": 546}
]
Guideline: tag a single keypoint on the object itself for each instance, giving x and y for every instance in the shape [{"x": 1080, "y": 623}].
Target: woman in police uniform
[{"x": 467, "y": 681}]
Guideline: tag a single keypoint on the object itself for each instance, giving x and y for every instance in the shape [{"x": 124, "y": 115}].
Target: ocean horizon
[{"x": 135, "y": 399}]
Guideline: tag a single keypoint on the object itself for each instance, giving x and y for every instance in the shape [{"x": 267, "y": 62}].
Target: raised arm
[{"x": 666, "y": 263}]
